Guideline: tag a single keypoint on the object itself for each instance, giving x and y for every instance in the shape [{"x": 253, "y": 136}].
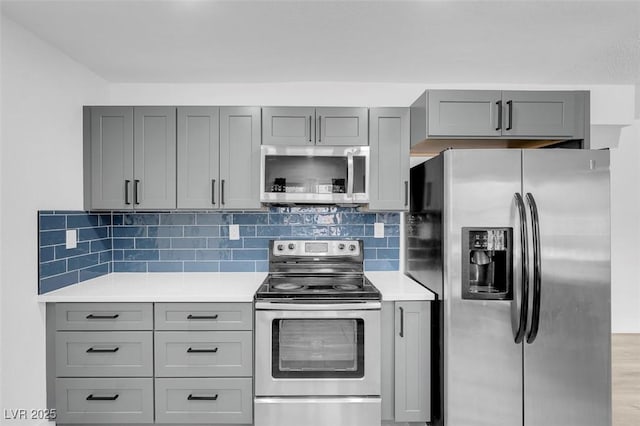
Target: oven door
[{"x": 317, "y": 350}]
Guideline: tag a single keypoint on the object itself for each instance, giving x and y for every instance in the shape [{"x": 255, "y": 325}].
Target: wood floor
[{"x": 626, "y": 379}]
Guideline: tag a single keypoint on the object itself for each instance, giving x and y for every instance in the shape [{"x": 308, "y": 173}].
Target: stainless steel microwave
[{"x": 314, "y": 174}]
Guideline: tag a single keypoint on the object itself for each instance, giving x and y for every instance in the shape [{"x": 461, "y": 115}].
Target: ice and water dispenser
[{"x": 487, "y": 256}]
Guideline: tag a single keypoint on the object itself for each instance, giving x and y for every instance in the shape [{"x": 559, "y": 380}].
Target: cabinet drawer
[
  {"x": 104, "y": 354},
  {"x": 116, "y": 401},
  {"x": 204, "y": 316},
  {"x": 203, "y": 353},
  {"x": 104, "y": 316},
  {"x": 204, "y": 401}
]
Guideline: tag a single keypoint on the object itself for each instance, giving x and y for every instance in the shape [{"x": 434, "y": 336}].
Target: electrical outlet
[
  {"x": 378, "y": 230},
  {"x": 72, "y": 239},
  {"x": 234, "y": 232}
]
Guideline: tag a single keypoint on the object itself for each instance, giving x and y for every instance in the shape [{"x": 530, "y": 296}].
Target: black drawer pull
[
  {"x": 92, "y": 316},
  {"x": 102, "y": 398},
  {"x": 202, "y": 317},
  {"x": 98, "y": 351},
  {"x": 202, "y": 398},
  {"x": 202, "y": 351}
]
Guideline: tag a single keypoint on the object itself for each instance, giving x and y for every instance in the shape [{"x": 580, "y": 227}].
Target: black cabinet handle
[
  {"x": 202, "y": 317},
  {"x": 510, "y": 122},
  {"x": 98, "y": 351},
  {"x": 319, "y": 128},
  {"x": 499, "y": 103},
  {"x": 92, "y": 316},
  {"x": 401, "y": 322},
  {"x": 126, "y": 192},
  {"x": 102, "y": 398},
  {"x": 222, "y": 192},
  {"x": 202, "y": 351},
  {"x": 202, "y": 398},
  {"x": 213, "y": 192},
  {"x": 406, "y": 193},
  {"x": 310, "y": 137},
  {"x": 136, "y": 189}
]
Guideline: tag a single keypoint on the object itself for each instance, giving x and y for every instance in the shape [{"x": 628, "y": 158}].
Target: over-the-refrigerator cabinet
[{"x": 516, "y": 245}]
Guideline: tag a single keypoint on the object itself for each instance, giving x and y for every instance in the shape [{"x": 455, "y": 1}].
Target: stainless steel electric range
[{"x": 317, "y": 337}]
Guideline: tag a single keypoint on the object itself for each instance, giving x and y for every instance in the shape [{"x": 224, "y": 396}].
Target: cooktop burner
[{"x": 316, "y": 270}]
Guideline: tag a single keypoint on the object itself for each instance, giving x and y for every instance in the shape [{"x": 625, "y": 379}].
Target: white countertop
[
  {"x": 395, "y": 285},
  {"x": 162, "y": 287},
  {"x": 206, "y": 287}
]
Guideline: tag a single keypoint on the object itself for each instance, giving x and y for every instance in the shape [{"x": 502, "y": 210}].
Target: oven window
[{"x": 318, "y": 348}]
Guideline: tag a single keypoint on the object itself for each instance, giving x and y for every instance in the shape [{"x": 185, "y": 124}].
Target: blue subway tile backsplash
[
  {"x": 198, "y": 241},
  {"x": 59, "y": 266}
]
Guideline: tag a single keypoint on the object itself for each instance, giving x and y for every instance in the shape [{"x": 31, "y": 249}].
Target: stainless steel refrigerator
[{"x": 516, "y": 245}]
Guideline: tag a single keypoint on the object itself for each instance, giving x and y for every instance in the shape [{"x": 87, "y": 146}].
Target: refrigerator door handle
[
  {"x": 537, "y": 269},
  {"x": 524, "y": 303}
]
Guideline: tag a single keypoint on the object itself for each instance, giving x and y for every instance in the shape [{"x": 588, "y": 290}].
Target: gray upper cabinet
[
  {"x": 131, "y": 158},
  {"x": 464, "y": 112},
  {"x": 240, "y": 158},
  {"x": 110, "y": 159},
  {"x": 342, "y": 126},
  {"x": 315, "y": 126},
  {"x": 389, "y": 144},
  {"x": 198, "y": 158},
  {"x": 495, "y": 114},
  {"x": 154, "y": 169},
  {"x": 288, "y": 126},
  {"x": 540, "y": 114}
]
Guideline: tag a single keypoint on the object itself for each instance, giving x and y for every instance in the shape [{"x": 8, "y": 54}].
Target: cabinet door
[
  {"x": 342, "y": 126},
  {"x": 198, "y": 158},
  {"x": 412, "y": 362},
  {"x": 288, "y": 126},
  {"x": 539, "y": 114},
  {"x": 472, "y": 113},
  {"x": 240, "y": 157},
  {"x": 389, "y": 172},
  {"x": 111, "y": 146},
  {"x": 154, "y": 158}
]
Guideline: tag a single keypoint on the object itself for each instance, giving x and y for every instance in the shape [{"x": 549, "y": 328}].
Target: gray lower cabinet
[
  {"x": 126, "y": 363},
  {"x": 491, "y": 114},
  {"x": 104, "y": 354},
  {"x": 104, "y": 400},
  {"x": 218, "y": 157},
  {"x": 406, "y": 361},
  {"x": 130, "y": 157},
  {"x": 315, "y": 126},
  {"x": 203, "y": 353},
  {"x": 103, "y": 316},
  {"x": 389, "y": 144},
  {"x": 204, "y": 400},
  {"x": 203, "y": 316}
]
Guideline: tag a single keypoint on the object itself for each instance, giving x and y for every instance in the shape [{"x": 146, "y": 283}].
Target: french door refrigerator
[{"x": 516, "y": 245}]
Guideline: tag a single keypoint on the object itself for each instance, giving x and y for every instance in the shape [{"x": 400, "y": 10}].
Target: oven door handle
[{"x": 356, "y": 306}]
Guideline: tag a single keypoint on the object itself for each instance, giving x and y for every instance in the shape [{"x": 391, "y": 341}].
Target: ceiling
[{"x": 189, "y": 41}]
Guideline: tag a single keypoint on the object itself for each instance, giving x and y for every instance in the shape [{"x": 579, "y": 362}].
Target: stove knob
[
  {"x": 352, "y": 247},
  {"x": 291, "y": 246},
  {"x": 341, "y": 246},
  {"x": 280, "y": 247}
]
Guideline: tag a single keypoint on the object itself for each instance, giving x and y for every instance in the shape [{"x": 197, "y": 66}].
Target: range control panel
[{"x": 316, "y": 248}]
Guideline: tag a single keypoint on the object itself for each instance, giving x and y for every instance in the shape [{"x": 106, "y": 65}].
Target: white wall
[
  {"x": 42, "y": 96},
  {"x": 625, "y": 231}
]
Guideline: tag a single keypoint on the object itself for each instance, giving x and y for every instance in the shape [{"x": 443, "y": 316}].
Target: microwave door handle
[{"x": 350, "y": 175}]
